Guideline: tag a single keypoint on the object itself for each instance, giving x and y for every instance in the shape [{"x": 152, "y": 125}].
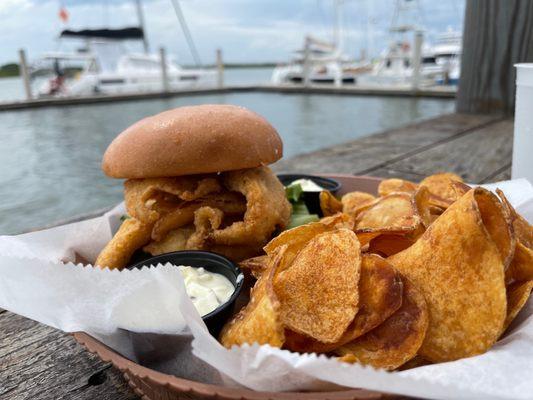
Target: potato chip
[
  {"x": 329, "y": 204},
  {"x": 521, "y": 267},
  {"x": 388, "y": 244},
  {"x": 523, "y": 229},
  {"x": 396, "y": 340},
  {"x": 355, "y": 202},
  {"x": 388, "y": 186},
  {"x": 414, "y": 363},
  {"x": 380, "y": 295},
  {"x": 460, "y": 270},
  {"x": 256, "y": 265},
  {"x": 318, "y": 292},
  {"x": 517, "y": 296},
  {"x": 394, "y": 214},
  {"x": 296, "y": 238},
  {"x": 443, "y": 189},
  {"x": 259, "y": 321},
  {"x": 424, "y": 208},
  {"x": 394, "y": 211},
  {"x": 131, "y": 235}
]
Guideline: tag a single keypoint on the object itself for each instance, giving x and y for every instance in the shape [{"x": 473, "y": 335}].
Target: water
[{"x": 51, "y": 157}]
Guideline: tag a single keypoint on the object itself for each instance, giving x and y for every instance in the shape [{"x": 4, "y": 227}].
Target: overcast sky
[{"x": 246, "y": 30}]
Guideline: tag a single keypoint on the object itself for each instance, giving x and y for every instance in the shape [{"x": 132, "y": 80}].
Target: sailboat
[{"x": 104, "y": 65}]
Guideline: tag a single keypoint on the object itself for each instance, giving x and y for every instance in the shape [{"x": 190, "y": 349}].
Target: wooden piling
[
  {"x": 164, "y": 74},
  {"x": 417, "y": 58},
  {"x": 220, "y": 69},
  {"x": 24, "y": 74}
]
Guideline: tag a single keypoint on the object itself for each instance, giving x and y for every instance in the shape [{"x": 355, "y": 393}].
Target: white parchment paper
[{"x": 147, "y": 316}]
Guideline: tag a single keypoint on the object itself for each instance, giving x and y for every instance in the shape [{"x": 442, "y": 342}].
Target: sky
[{"x": 245, "y": 30}]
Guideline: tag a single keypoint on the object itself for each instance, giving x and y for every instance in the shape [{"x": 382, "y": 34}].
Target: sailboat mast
[
  {"x": 337, "y": 28},
  {"x": 186, "y": 33},
  {"x": 140, "y": 16}
]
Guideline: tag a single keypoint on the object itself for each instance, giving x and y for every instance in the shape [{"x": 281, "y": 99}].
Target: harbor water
[{"x": 51, "y": 156}]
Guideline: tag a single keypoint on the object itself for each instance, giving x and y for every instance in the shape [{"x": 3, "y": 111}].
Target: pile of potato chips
[{"x": 423, "y": 273}]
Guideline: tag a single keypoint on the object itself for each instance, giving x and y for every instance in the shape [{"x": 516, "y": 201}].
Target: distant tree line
[{"x": 11, "y": 69}]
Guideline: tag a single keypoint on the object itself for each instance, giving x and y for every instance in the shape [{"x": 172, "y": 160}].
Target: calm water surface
[{"x": 51, "y": 157}]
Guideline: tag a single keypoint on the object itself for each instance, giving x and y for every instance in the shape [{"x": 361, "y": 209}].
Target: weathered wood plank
[
  {"x": 366, "y": 154},
  {"x": 476, "y": 156},
  {"x": 39, "y": 362},
  {"x": 503, "y": 174},
  {"x": 497, "y": 34}
]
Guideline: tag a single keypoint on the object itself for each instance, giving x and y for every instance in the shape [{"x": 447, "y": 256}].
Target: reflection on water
[{"x": 51, "y": 157}]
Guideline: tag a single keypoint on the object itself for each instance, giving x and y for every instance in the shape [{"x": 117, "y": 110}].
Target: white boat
[
  {"x": 446, "y": 54},
  {"x": 439, "y": 64},
  {"x": 321, "y": 63},
  {"x": 106, "y": 66}
]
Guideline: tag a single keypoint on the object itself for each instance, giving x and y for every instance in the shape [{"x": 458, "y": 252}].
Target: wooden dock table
[{"x": 39, "y": 362}]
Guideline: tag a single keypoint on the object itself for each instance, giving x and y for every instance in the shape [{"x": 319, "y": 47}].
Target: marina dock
[
  {"x": 397, "y": 91},
  {"x": 42, "y": 361}
]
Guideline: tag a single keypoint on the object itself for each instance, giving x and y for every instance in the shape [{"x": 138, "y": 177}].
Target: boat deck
[
  {"x": 40, "y": 362},
  {"x": 398, "y": 91}
]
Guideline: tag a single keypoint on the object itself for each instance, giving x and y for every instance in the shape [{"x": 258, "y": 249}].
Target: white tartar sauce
[
  {"x": 207, "y": 290},
  {"x": 307, "y": 185}
]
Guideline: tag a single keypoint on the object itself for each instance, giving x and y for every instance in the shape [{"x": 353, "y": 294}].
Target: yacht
[
  {"x": 322, "y": 63},
  {"x": 103, "y": 65}
]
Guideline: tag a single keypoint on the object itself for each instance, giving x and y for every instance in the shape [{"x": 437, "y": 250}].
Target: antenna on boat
[
  {"x": 140, "y": 16},
  {"x": 186, "y": 32}
]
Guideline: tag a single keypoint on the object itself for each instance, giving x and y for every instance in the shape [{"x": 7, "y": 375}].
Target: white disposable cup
[{"x": 523, "y": 124}]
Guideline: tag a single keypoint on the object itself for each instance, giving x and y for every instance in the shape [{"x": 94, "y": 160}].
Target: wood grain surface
[{"x": 38, "y": 362}]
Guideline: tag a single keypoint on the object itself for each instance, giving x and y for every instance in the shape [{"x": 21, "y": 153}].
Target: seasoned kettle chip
[
  {"x": 521, "y": 267},
  {"x": 445, "y": 188},
  {"x": 396, "y": 340},
  {"x": 131, "y": 235},
  {"x": 458, "y": 265},
  {"x": 388, "y": 186},
  {"x": 394, "y": 211},
  {"x": 318, "y": 292},
  {"x": 380, "y": 295},
  {"x": 389, "y": 244},
  {"x": 297, "y": 238},
  {"x": 422, "y": 202},
  {"x": 355, "y": 202},
  {"x": 259, "y": 321},
  {"x": 256, "y": 265},
  {"x": 329, "y": 204},
  {"x": 517, "y": 296},
  {"x": 522, "y": 229}
]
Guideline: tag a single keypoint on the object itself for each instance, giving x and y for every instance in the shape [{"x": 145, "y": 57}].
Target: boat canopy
[{"x": 120, "y": 34}]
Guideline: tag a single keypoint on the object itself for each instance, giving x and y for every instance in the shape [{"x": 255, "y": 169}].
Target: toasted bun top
[{"x": 193, "y": 140}]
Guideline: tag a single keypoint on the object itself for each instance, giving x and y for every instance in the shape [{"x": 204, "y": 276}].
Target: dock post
[
  {"x": 24, "y": 74},
  {"x": 307, "y": 62},
  {"x": 417, "y": 59},
  {"x": 164, "y": 75},
  {"x": 220, "y": 69}
]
